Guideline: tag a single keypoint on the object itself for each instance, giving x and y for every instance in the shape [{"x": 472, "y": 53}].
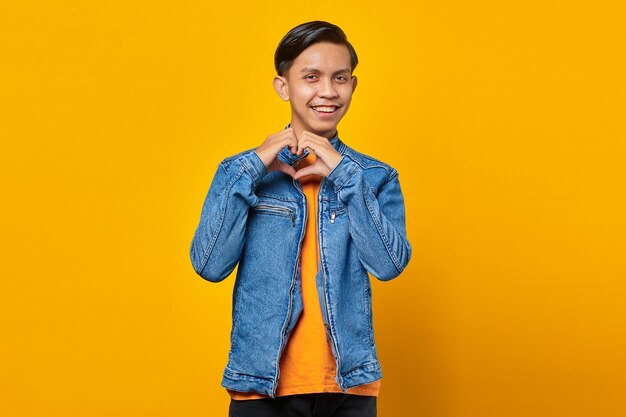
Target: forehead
[{"x": 323, "y": 56}]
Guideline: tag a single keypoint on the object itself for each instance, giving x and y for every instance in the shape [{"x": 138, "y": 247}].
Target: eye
[
  {"x": 310, "y": 77},
  {"x": 341, "y": 78}
]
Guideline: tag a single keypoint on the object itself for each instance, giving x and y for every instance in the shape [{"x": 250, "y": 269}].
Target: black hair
[{"x": 305, "y": 35}]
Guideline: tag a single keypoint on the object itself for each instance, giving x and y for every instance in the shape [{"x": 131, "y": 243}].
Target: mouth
[{"x": 325, "y": 109}]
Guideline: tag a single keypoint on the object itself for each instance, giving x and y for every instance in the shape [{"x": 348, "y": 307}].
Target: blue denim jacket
[{"x": 257, "y": 220}]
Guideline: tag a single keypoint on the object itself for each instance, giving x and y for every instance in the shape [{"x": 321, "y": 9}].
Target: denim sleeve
[
  {"x": 219, "y": 238},
  {"x": 377, "y": 221}
]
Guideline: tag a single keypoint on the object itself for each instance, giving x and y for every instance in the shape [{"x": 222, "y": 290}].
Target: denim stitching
[
  {"x": 209, "y": 249},
  {"x": 382, "y": 235}
]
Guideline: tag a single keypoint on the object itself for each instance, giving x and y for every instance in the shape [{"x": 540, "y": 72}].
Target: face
[{"x": 319, "y": 88}]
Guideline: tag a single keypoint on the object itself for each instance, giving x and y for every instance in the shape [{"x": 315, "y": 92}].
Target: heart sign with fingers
[{"x": 327, "y": 157}]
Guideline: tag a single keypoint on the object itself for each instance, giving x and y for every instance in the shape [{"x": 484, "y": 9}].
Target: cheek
[
  {"x": 346, "y": 92},
  {"x": 304, "y": 94}
]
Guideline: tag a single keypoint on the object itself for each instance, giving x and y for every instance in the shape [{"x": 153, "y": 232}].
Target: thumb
[
  {"x": 310, "y": 170},
  {"x": 287, "y": 169}
]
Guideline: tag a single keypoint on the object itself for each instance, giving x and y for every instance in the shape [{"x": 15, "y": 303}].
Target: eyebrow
[{"x": 313, "y": 69}]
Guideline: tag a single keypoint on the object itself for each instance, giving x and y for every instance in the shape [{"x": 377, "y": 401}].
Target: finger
[
  {"x": 282, "y": 139},
  {"x": 315, "y": 147},
  {"x": 314, "y": 143},
  {"x": 275, "y": 143},
  {"x": 307, "y": 134},
  {"x": 310, "y": 170},
  {"x": 303, "y": 144},
  {"x": 288, "y": 137},
  {"x": 324, "y": 152},
  {"x": 313, "y": 137},
  {"x": 287, "y": 169}
]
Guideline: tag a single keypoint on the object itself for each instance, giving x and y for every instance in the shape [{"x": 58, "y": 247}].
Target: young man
[{"x": 306, "y": 218}]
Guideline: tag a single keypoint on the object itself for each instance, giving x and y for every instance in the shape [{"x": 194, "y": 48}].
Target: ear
[
  {"x": 354, "y": 82},
  {"x": 281, "y": 86}
]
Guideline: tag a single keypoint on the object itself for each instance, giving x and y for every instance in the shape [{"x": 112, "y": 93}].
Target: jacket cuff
[
  {"x": 254, "y": 166},
  {"x": 344, "y": 170}
]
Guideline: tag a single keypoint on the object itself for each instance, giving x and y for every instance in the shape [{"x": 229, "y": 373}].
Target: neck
[{"x": 299, "y": 129}]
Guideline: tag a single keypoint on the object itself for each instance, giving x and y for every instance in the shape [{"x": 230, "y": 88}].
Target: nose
[{"x": 327, "y": 88}]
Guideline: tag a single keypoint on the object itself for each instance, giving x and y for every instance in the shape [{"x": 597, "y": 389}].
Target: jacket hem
[
  {"x": 362, "y": 375},
  {"x": 247, "y": 383}
]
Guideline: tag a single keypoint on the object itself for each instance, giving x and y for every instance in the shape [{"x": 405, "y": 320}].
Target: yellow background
[{"x": 506, "y": 121}]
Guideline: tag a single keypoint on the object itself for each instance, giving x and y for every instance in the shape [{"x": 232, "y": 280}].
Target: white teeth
[{"x": 324, "y": 109}]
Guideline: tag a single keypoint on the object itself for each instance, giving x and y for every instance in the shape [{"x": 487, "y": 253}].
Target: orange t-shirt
[{"x": 307, "y": 364}]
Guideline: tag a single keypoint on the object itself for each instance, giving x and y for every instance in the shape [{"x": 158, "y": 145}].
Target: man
[{"x": 306, "y": 218}]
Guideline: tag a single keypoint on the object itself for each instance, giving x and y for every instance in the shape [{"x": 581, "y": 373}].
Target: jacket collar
[{"x": 290, "y": 159}]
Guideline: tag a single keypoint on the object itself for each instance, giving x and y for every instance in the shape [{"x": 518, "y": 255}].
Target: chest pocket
[{"x": 271, "y": 207}]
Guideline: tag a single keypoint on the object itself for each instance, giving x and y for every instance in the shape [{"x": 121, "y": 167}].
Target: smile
[{"x": 325, "y": 109}]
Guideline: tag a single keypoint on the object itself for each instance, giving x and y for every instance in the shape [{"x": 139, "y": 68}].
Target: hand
[
  {"x": 327, "y": 156},
  {"x": 269, "y": 149}
]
